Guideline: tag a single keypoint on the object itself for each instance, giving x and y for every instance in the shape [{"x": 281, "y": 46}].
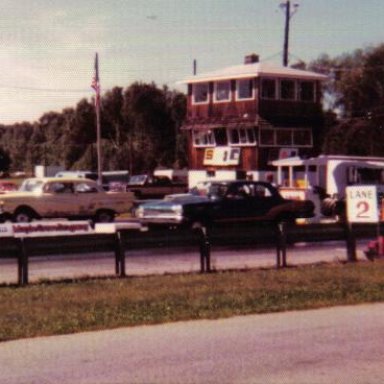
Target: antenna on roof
[{"x": 194, "y": 67}]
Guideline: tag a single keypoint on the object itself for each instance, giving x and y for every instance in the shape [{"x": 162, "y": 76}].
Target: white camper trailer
[{"x": 323, "y": 179}]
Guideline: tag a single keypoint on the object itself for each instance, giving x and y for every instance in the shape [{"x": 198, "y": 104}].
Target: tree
[
  {"x": 355, "y": 90},
  {"x": 149, "y": 126},
  {"x": 140, "y": 129},
  {"x": 356, "y": 81},
  {"x": 5, "y": 161},
  {"x": 81, "y": 137}
]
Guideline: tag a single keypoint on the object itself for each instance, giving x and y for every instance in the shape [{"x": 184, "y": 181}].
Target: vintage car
[
  {"x": 226, "y": 202},
  {"x": 154, "y": 187},
  {"x": 63, "y": 198}
]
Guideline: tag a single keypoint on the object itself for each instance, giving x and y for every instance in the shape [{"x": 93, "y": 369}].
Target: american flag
[{"x": 96, "y": 82}]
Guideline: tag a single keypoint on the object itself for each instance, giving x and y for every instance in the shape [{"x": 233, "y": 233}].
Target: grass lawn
[{"x": 63, "y": 307}]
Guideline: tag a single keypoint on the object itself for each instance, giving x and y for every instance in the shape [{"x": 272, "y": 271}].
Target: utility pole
[
  {"x": 286, "y": 6},
  {"x": 96, "y": 87}
]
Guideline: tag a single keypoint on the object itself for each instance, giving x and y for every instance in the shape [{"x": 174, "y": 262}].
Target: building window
[
  {"x": 200, "y": 93},
  {"x": 222, "y": 91},
  {"x": 267, "y": 137},
  {"x": 287, "y": 90},
  {"x": 221, "y": 139},
  {"x": 202, "y": 138},
  {"x": 302, "y": 137},
  {"x": 307, "y": 91},
  {"x": 268, "y": 89},
  {"x": 241, "y": 136},
  {"x": 244, "y": 89},
  {"x": 285, "y": 137}
]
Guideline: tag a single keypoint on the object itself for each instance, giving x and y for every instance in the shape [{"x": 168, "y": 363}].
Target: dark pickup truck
[
  {"x": 225, "y": 203},
  {"x": 154, "y": 187}
]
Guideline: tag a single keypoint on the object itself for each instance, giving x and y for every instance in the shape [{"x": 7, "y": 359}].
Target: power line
[{"x": 54, "y": 90}]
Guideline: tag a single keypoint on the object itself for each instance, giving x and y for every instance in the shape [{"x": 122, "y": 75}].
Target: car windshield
[
  {"x": 217, "y": 190},
  {"x": 138, "y": 179},
  {"x": 30, "y": 185}
]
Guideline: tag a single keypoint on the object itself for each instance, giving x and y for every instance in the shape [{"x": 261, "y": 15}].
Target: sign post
[{"x": 362, "y": 207}]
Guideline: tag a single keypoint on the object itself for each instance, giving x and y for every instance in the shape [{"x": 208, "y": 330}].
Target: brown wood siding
[
  {"x": 223, "y": 110},
  {"x": 215, "y": 110},
  {"x": 289, "y": 111},
  {"x": 234, "y": 109}
]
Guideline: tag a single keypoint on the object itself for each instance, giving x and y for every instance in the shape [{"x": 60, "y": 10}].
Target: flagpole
[{"x": 96, "y": 86}]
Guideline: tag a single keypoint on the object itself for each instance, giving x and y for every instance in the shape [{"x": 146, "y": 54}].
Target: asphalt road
[
  {"x": 174, "y": 260},
  {"x": 334, "y": 345}
]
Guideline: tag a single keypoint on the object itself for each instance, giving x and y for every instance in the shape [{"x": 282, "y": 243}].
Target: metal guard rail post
[
  {"x": 22, "y": 249},
  {"x": 281, "y": 245}
]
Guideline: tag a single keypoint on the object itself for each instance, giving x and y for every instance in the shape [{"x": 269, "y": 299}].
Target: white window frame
[
  {"x": 194, "y": 88},
  {"x": 208, "y": 135},
  {"x": 216, "y": 86},
  {"x": 238, "y": 98},
  {"x": 246, "y": 134}
]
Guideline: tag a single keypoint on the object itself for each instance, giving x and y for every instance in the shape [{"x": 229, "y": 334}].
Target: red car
[{"x": 7, "y": 186}]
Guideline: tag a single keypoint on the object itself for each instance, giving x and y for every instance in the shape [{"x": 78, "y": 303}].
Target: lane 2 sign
[{"x": 362, "y": 205}]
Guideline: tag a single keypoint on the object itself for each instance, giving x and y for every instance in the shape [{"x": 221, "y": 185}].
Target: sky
[{"x": 48, "y": 46}]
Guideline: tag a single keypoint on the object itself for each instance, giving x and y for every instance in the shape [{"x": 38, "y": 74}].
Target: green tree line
[
  {"x": 354, "y": 96},
  {"x": 140, "y": 125},
  {"x": 140, "y": 130}
]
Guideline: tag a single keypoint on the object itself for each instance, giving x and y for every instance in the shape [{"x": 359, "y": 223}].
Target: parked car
[
  {"x": 7, "y": 186},
  {"x": 63, "y": 198},
  {"x": 118, "y": 179},
  {"x": 154, "y": 187},
  {"x": 226, "y": 203}
]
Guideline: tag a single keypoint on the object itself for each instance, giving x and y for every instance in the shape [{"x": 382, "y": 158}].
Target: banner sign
[
  {"x": 293, "y": 194},
  {"x": 114, "y": 227},
  {"x": 6, "y": 230},
  {"x": 47, "y": 228},
  {"x": 64, "y": 228}
]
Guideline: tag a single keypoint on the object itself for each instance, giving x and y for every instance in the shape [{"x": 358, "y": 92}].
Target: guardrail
[{"x": 122, "y": 240}]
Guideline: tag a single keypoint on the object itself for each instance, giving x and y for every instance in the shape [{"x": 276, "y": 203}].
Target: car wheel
[
  {"x": 23, "y": 216},
  {"x": 104, "y": 216},
  {"x": 199, "y": 227}
]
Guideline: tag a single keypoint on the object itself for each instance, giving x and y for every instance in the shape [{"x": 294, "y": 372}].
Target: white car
[{"x": 63, "y": 198}]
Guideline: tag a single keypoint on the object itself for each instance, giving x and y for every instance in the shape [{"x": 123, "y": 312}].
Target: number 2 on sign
[{"x": 362, "y": 210}]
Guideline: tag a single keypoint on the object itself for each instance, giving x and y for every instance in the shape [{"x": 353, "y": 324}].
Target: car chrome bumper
[{"x": 161, "y": 219}]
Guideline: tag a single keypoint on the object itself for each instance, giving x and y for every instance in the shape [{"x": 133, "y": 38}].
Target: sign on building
[
  {"x": 362, "y": 205},
  {"x": 222, "y": 156}
]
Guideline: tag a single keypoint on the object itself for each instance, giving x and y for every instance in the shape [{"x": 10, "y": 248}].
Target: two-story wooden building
[{"x": 242, "y": 117}]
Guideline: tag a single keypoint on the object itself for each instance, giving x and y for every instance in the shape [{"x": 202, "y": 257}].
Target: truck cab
[{"x": 148, "y": 186}]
